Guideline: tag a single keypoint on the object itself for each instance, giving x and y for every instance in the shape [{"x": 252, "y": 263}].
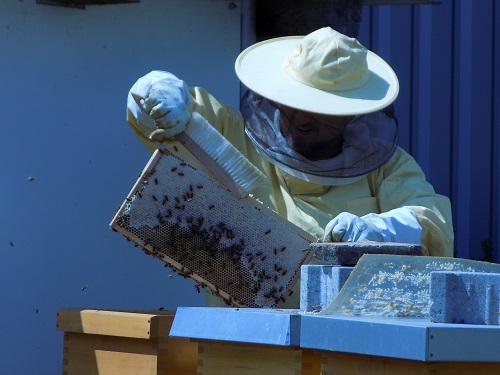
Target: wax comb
[{"x": 236, "y": 247}]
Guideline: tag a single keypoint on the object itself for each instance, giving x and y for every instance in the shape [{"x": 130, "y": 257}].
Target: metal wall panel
[{"x": 446, "y": 59}]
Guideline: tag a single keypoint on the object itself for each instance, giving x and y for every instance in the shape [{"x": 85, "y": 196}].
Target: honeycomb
[{"x": 238, "y": 248}]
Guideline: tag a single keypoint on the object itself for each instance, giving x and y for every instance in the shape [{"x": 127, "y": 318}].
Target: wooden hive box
[
  {"x": 357, "y": 364},
  {"x": 123, "y": 342},
  {"x": 216, "y": 357}
]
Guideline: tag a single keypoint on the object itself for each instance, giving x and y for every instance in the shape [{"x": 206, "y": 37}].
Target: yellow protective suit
[{"x": 400, "y": 182}]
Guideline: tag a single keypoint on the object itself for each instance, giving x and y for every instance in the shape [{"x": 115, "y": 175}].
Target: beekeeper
[{"x": 315, "y": 121}]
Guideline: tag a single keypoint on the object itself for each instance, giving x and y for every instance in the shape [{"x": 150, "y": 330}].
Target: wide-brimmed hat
[{"x": 323, "y": 72}]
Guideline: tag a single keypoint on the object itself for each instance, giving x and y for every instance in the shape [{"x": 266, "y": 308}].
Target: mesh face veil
[{"x": 369, "y": 140}]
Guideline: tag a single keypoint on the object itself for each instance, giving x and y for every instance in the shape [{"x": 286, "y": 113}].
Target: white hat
[{"x": 324, "y": 72}]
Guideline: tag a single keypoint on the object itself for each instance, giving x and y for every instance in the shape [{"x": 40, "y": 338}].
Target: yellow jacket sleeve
[{"x": 401, "y": 183}]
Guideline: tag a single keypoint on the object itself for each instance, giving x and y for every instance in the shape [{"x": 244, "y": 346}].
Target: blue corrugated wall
[{"x": 447, "y": 58}]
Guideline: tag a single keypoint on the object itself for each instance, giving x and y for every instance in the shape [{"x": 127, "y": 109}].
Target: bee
[
  {"x": 173, "y": 169},
  {"x": 176, "y": 149},
  {"x": 267, "y": 231},
  {"x": 211, "y": 206},
  {"x": 180, "y": 174},
  {"x": 156, "y": 181},
  {"x": 154, "y": 198},
  {"x": 165, "y": 200},
  {"x": 199, "y": 186}
]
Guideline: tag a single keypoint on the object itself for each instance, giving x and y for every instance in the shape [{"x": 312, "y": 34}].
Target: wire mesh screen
[{"x": 239, "y": 249}]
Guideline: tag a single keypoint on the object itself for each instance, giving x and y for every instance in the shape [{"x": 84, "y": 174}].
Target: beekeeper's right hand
[{"x": 168, "y": 105}]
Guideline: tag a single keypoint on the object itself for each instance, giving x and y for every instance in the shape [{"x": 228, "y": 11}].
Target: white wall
[{"x": 64, "y": 75}]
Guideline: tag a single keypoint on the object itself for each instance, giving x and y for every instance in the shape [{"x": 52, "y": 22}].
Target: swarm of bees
[{"x": 237, "y": 248}]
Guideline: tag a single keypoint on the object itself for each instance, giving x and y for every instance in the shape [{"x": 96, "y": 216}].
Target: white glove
[
  {"x": 168, "y": 105},
  {"x": 398, "y": 225}
]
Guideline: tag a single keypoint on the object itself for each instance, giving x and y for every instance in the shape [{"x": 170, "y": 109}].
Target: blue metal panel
[
  {"x": 424, "y": 93},
  {"x": 462, "y": 154},
  {"x": 414, "y": 339},
  {"x": 440, "y": 72},
  {"x": 254, "y": 326},
  {"x": 473, "y": 103},
  {"x": 389, "y": 337},
  {"x": 495, "y": 221},
  {"x": 448, "y": 342},
  {"x": 481, "y": 105},
  {"x": 401, "y": 60},
  {"x": 404, "y": 338},
  {"x": 446, "y": 57}
]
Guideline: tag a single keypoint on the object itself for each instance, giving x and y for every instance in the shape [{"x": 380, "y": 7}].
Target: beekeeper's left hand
[{"x": 398, "y": 225}]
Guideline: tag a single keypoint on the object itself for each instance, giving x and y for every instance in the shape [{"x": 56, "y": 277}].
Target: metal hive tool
[{"x": 236, "y": 247}]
